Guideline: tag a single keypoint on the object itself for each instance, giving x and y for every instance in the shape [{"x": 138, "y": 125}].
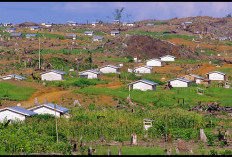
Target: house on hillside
[
  {"x": 10, "y": 30},
  {"x": 90, "y": 74},
  {"x": 95, "y": 23},
  {"x": 143, "y": 69},
  {"x": 16, "y": 35},
  {"x": 143, "y": 85},
  {"x": 150, "y": 24},
  {"x": 216, "y": 76},
  {"x": 167, "y": 58},
  {"x": 113, "y": 33},
  {"x": 116, "y": 22},
  {"x": 179, "y": 82},
  {"x": 95, "y": 38},
  {"x": 188, "y": 22},
  {"x": 71, "y": 23},
  {"x": 15, "y": 113},
  {"x": 154, "y": 62},
  {"x": 34, "y": 28},
  {"x": 47, "y": 24},
  {"x": 89, "y": 33},
  {"x": 71, "y": 36},
  {"x": 13, "y": 76},
  {"x": 7, "y": 24},
  {"x": 52, "y": 109},
  {"x": 31, "y": 35},
  {"x": 224, "y": 38},
  {"x": 109, "y": 69},
  {"x": 52, "y": 75},
  {"x": 128, "y": 24},
  {"x": 197, "y": 79}
]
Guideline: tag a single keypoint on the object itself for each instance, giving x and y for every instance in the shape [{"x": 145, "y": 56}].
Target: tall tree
[{"x": 118, "y": 13}]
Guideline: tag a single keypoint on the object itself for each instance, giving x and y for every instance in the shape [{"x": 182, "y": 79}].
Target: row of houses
[{"x": 19, "y": 113}]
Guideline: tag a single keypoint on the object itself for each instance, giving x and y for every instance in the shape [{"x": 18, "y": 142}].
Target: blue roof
[
  {"x": 113, "y": 66},
  {"x": 155, "y": 59},
  {"x": 19, "y": 77},
  {"x": 94, "y": 37},
  {"x": 188, "y": 22},
  {"x": 197, "y": 76},
  {"x": 59, "y": 72},
  {"x": 149, "y": 67},
  {"x": 71, "y": 35},
  {"x": 10, "y": 28},
  {"x": 58, "y": 107},
  {"x": 34, "y": 27},
  {"x": 31, "y": 35},
  {"x": 180, "y": 79},
  {"x": 144, "y": 81},
  {"x": 88, "y": 32},
  {"x": 23, "y": 111},
  {"x": 16, "y": 34},
  {"x": 114, "y": 32},
  {"x": 92, "y": 71}
]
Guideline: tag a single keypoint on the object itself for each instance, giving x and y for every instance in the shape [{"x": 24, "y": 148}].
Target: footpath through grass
[{"x": 14, "y": 92}]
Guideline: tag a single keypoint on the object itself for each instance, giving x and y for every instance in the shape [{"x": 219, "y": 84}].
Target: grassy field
[
  {"x": 168, "y": 98},
  {"x": 14, "y": 92},
  {"x": 62, "y": 51},
  {"x": 125, "y": 150},
  {"x": 125, "y": 60},
  {"x": 46, "y": 35},
  {"x": 83, "y": 30}
]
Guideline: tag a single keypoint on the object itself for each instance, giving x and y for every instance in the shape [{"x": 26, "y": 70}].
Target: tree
[
  {"x": 118, "y": 13},
  {"x": 229, "y": 15}
]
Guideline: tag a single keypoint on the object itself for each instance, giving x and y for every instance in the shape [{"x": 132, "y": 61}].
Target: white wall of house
[
  {"x": 11, "y": 115},
  {"x": 91, "y": 75},
  {"x": 108, "y": 70},
  {"x": 51, "y": 76},
  {"x": 45, "y": 110},
  {"x": 143, "y": 86},
  {"x": 178, "y": 83},
  {"x": 97, "y": 39},
  {"x": 89, "y": 34},
  {"x": 142, "y": 70},
  {"x": 198, "y": 81},
  {"x": 7, "y": 78},
  {"x": 216, "y": 76},
  {"x": 154, "y": 63},
  {"x": 167, "y": 58}
]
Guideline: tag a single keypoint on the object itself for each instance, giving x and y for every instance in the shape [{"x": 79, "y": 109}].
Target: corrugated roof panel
[
  {"x": 23, "y": 111},
  {"x": 58, "y": 107}
]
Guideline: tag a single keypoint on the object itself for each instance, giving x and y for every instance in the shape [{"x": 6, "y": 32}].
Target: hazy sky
[{"x": 61, "y": 12}]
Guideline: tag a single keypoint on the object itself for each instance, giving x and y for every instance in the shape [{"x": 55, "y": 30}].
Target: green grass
[
  {"x": 83, "y": 30},
  {"x": 209, "y": 52},
  {"x": 14, "y": 92},
  {"x": 126, "y": 150},
  {"x": 168, "y": 98},
  {"x": 159, "y": 23},
  {"x": 4, "y": 153},
  {"x": 62, "y": 51},
  {"x": 226, "y": 70},
  {"x": 189, "y": 61},
  {"x": 125, "y": 60}
]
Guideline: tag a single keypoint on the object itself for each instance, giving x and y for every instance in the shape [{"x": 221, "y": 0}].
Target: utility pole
[
  {"x": 39, "y": 52},
  {"x": 56, "y": 124}
]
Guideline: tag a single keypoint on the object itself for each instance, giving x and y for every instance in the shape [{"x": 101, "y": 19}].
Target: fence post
[
  {"x": 134, "y": 139},
  {"x": 90, "y": 151},
  {"x": 109, "y": 152},
  {"x": 119, "y": 151}
]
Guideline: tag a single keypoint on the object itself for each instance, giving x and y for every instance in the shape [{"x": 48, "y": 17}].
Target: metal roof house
[
  {"x": 15, "y": 113},
  {"x": 16, "y": 35},
  {"x": 34, "y": 28},
  {"x": 71, "y": 23},
  {"x": 167, "y": 58},
  {"x": 71, "y": 36},
  {"x": 31, "y": 35},
  {"x": 95, "y": 38},
  {"x": 90, "y": 33},
  {"x": 13, "y": 76},
  {"x": 109, "y": 69},
  {"x": 216, "y": 76},
  {"x": 52, "y": 75},
  {"x": 143, "y": 85},
  {"x": 10, "y": 30},
  {"x": 90, "y": 74},
  {"x": 197, "y": 79},
  {"x": 7, "y": 24},
  {"x": 224, "y": 38},
  {"x": 154, "y": 62},
  {"x": 188, "y": 22},
  {"x": 113, "y": 33},
  {"x": 179, "y": 82},
  {"x": 52, "y": 109},
  {"x": 143, "y": 69}
]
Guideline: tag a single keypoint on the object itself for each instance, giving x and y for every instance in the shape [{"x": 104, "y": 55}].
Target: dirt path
[
  {"x": 51, "y": 94},
  {"x": 111, "y": 85}
]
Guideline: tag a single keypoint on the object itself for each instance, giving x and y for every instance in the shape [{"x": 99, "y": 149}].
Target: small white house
[
  {"x": 52, "y": 75},
  {"x": 154, "y": 62},
  {"x": 7, "y": 24},
  {"x": 179, "y": 82},
  {"x": 143, "y": 85},
  {"x": 71, "y": 36},
  {"x": 31, "y": 35},
  {"x": 89, "y": 33},
  {"x": 109, "y": 69},
  {"x": 113, "y": 33},
  {"x": 48, "y": 24},
  {"x": 143, "y": 69},
  {"x": 15, "y": 113},
  {"x": 52, "y": 109},
  {"x": 216, "y": 76},
  {"x": 34, "y": 28},
  {"x": 12, "y": 76},
  {"x": 167, "y": 58},
  {"x": 71, "y": 23},
  {"x": 10, "y": 30},
  {"x": 90, "y": 74},
  {"x": 95, "y": 38}
]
